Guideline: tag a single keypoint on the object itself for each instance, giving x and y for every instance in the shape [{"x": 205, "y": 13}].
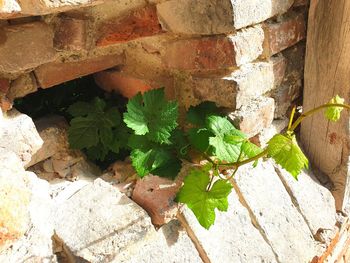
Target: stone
[
  {"x": 139, "y": 23},
  {"x": 5, "y": 103},
  {"x": 22, "y": 86},
  {"x": 9, "y": 8},
  {"x": 105, "y": 223},
  {"x": 71, "y": 34},
  {"x": 231, "y": 90},
  {"x": 36, "y": 244},
  {"x": 169, "y": 244},
  {"x": 4, "y": 85},
  {"x": 285, "y": 33},
  {"x": 15, "y": 198},
  {"x": 314, "y": 201},
  {"x": 254, "y": 116},
  {"x": 19, "y": 135},
  {"x": 54, "y": 73},
  {"x": 277, "y": 126},
  {"x": 218, "y": 16},
  {"x": 53, "y": 132},
  {"x": 216, "y": 52},
  {"x": 19, "y": 51},
  {"x": 274, "y": 213},
  {"x": 233, "y": 237},
  {"x": 157, "y": 196}
]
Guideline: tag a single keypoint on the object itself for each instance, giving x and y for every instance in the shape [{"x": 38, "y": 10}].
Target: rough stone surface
[
  {"x": 15, "y": 199},
  {"x": 36, "y": 244},
  {"x": 22, "y": 86},
  {"x": 53, "y": 132},
  {"x": 156, "y": 195},
  {"x": 140, "y": 23},
  {"x": 4, "y": 85},
  {"x": 280, "y": 221},
  {"x": 253, "y": 117},
  {"x": 169, "y": 244},
  {"x": 233, "y": 237},
  {"x": 105, "y": 223},
  {"x": 216, "y": 52},
  {"x": 218, "y": 16},
  {"x": 314, "y": 201},
  {"x": 21, "y": 51},
  {"x": 18, "y": 134},
  {"x": 54, "y": 73}
]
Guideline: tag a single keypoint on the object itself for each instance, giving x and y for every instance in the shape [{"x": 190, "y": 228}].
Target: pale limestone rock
[
  {"x": 9, "y": 6},
  {"x": 18, "y": 134},
  {"x": 169, "y": 244},
  {"x": 233, "y": 237},
  {"x": 280, "y": 221},
  {"x": 314, "y": 201},
  {"x": 97, "y": 223}
]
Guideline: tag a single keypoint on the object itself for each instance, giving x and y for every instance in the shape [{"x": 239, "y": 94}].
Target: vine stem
[
  {"x": 310, "y": 112},
  {"x": 252, "y": 159}
]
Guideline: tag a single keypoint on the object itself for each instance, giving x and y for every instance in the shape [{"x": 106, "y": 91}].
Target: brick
[
  {"x": 25, "y": 46},
  {"x": 215, "y": 53},
  {"x": 232, "y": 90},
  {"x": 124, "y": 84},
  {"x": 254, "y": 116},
  {"x": 4, "y": 85},
  {"x": 70, "y": 34},
  {"x": 283, "y": 34},
  {"x": 218, "y": 16},
  {"x": 22, "y": 86},
  {"x": 140, "y": 23},
  {"x": 54, "y": 73}
]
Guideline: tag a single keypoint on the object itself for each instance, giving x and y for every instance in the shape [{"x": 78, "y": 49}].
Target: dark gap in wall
[{"x": 56, "y": 100}]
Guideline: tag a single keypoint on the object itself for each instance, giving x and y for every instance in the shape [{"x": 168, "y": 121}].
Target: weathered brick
[
  {"x": 254, "y": 116},
  {"x": 54, "y": 73},
  {"x": 70, "y": 34},
  {"x": 4, "y": 85},
  {"x": 217, "y": 16},
  {"x": 215, "y": 53},
  {"x": 283, "y": 34},
  {"x": 232, "y": 91},
  {"x": 140, "y": 23},
  {"x": 25, "y": 46},
  {"x": 23, "y": 85}
]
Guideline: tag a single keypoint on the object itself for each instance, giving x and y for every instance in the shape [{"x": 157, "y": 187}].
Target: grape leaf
[
  {"x": 224, "y": 149},
  {"x": 79, "y": 108},
  {"x": 202, "y": 202},
  {"x": 82, "y": 133},
  {"x": 199, "y": 139},
  {"x": 197, "y": 114},
  {"x": 285, "y": 150},
  {"x": 152, "y": 115},
  {"x": 250, "y": 150},
  {"x": 333, "y": 113}
]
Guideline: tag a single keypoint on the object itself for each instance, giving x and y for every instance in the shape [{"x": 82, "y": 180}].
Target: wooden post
[{"x": 327, "y": 73}]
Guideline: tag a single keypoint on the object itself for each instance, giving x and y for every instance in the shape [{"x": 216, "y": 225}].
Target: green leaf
[
  {"x": 152, "y": 115},
  {"x": 333, "y": 113},
  {"x": 83, "y": 133},
  {"x": 202, "y": 202},
  {"x": 197, "y": 114},
  {"x": 286, "y": 152},
  {"x": 98, "y": 152},
  {"x": 113, "y": 116},
  {"x": 199, "y": 139},
  {"x": 179, "y": 143},
  {"x": 250, "y": 150},
  {"x": 169, "y": 169},
  {"x": 224, "y": 131},
  {"x": 79, "y": 108},
  {"x": 120, "y": 139}
]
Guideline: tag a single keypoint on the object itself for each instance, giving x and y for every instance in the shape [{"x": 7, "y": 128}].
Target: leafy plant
[{"x": 158, "y": 145}]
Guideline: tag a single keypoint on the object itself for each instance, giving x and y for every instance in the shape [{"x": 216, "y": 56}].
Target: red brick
[
  {"x": 128, "y": 86},
  {"x": 140, "y": 23},
  {"x": 70, "y": 34},
  {"x": 284, "y": 34},
  {"x": 4, "y": 85},
  {"x": 209, "y": 53},
  {"x": 51, "y": 74},
  {"x": 279, "y": 65},
  {"x": 25, "y": 46},
  {"x": 5, "y": 103}
]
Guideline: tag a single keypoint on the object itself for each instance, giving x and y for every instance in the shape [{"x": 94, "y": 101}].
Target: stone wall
[{"x": 245, "y": 55}]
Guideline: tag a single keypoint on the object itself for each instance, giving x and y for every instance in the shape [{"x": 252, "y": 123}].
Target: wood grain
[{"x": 327, "y": 72}]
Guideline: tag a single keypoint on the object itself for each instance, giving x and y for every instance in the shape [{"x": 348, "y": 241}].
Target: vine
[{"x": 150, "y": 130}]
